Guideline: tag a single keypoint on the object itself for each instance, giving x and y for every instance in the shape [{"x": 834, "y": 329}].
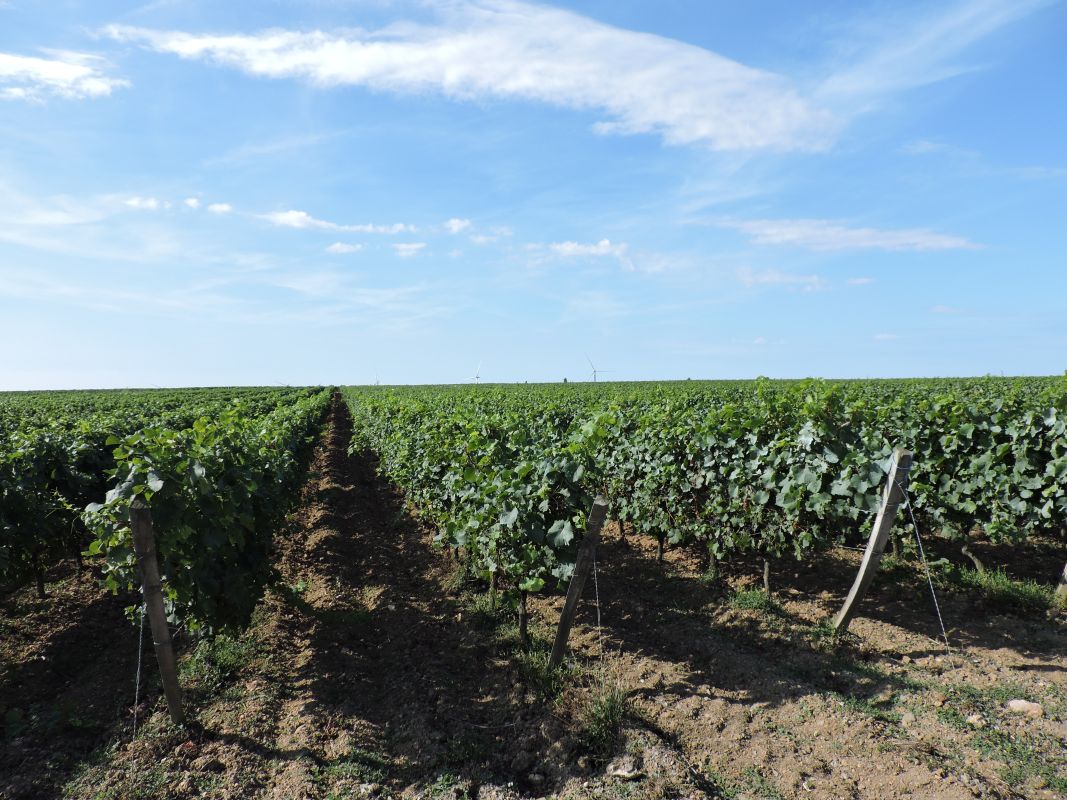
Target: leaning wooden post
[
  {"x": 586, "y": 554},
  {"x": 1061, "y": 590},
  {"x": 896, "y": 483},
  {"x": 144, "y": 545}
]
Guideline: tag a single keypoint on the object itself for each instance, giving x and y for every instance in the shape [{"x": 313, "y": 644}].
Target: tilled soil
[{"x": 372, "y": 671}]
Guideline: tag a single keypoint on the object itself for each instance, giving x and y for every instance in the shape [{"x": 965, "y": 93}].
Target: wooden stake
[
  {"x": 144, "y": 545},
  {"x": 586, "y": 554},
  {"x": 524, "y": 636},
  {"x": 896, "y": 482},
  {"x": 1061, "y": 590}
]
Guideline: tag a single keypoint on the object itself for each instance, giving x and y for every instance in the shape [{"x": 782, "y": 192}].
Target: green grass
[
  {"x": 215, "y": 661},
  {"x": 1021, "y": 754},
  {"x": 448, "y": 787},
  {"x": 754, "y": 600},
  {"x": 603, "y": 718},
  {"x": 998, "y": 589},
  {"x": 358, "y": 764}
]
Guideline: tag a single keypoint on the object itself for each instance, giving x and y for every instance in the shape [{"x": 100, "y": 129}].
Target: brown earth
[{"x": 374, "y": 671}]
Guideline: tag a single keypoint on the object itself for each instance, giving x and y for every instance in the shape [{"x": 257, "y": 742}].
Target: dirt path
[{"x": 372, "y": 672}]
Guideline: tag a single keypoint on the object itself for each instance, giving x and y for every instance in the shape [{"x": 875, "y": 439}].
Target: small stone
[
  {"x": 187, "y": 750},
  {"x": 906, "y": 659},
  {"x": 625, "y": 768},
  {"x": 938, "y": 699},
  {"x": 535, "y": 777},
  {"x": 976, "y": 721},
  {"x": 907, "y": 718},
  {"x": 1025, "y": 707}
]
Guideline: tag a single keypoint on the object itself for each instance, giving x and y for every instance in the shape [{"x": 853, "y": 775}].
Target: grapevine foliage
[
  {"x": 775, "y": 468},
  {"x": 216, "y": 491}
]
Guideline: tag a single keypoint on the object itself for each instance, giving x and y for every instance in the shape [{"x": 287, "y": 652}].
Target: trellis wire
[
  {"x": 926, "y": 565},
  {"x": 137, "y": 679}
]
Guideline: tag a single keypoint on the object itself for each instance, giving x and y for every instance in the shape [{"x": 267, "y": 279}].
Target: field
[{"x": 364, "y": 584}]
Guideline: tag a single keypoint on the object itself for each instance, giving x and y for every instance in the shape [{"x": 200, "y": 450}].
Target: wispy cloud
[
  {"x": 641, "y": 82},
  {"x": 455, "y": 225},
  {"x": 343, "y": 248},
  {"x": 825, "y": 235},
  {"x": 972, "y": 162},
  {"x": 220, "y": 208},
  {"x": 902, "y": 51},
  {"x": 409, "y": 249},
  {"x": 773, "y": 277},
  {"x": 860, "y": 281},
  {"x": 192, "y": 202},
  {"x": 258, "y": 150},
  {"x": 942, "y": 309},
  {"x": 66, "y": 74},
  {"x": 885, "y": 337},
  {"x": 304, "y": 221}
]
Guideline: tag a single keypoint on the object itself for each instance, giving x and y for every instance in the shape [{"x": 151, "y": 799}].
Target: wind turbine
[
  {"x": 593, "y": 367},
  {"x": 477, "y": 373}
]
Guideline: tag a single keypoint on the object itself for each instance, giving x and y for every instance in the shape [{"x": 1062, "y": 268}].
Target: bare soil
[{"x": 373, "y": 670}]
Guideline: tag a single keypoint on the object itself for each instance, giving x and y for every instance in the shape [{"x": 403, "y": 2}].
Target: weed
[
  {"x": 603, "y": 718},
  {"x": 823, "y": 635},
  {"x": 754, "y": 600},
  {"x": 215, "y": 660},
  {"x": 999, "y": 589},
  {"x": 485, "y": 610},
  {"x": 448, "y": 786},
  {"x": 357, "y": 764},
  {"x": 759, "y": 785},
  {"x": 1020, "y": 753}
]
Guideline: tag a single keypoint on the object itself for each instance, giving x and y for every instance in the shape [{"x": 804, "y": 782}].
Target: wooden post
[
  {"x": 896, "y": 482},
  {"x": 1061, "y": 590},
  {"x": 144, "y": 545},
  {"x": 586, "y": 553}
]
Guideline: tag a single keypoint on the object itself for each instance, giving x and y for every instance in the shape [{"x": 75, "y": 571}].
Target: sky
[{"x": 433, "y": 191}]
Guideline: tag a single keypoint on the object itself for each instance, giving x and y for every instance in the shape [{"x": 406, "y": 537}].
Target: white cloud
[
  {"x": 941, "y": 309},
  {"x": 342, "y": 248},
  {"x": 457, "y": 225},
  {"x": 192, "y": 202},
  {"x": 774, "y": 277},
  {"x": 860, "y": 281},
  {"x": 602, "y": 248},
  {"x": 640, "y": 82},
  {"x": 304, "y": 221},
  {"x": 830, "y": 235},
  {"x": 220, "y": 208},
  {"x": 69, "y": 75},
  {"x": 143, "y": 203},
  {"x": 409, "y": 249},
  {"x": 481, "y": 238},
  {"x": 605, "y": 247}
]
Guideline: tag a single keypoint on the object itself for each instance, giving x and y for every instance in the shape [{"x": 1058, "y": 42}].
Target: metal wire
[
  {"x": 137, "y": 680},
  {"x": 596, "y": 594},
  {"x": 926, "y": 565}
]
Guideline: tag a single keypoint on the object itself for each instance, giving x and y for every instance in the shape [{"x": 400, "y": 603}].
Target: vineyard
[
  {"x": 508, "y": 474},
  {"x": 364, "y": 584}
]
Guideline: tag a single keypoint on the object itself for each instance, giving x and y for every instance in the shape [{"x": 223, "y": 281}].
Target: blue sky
[{"x": 197, "y": 193}]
